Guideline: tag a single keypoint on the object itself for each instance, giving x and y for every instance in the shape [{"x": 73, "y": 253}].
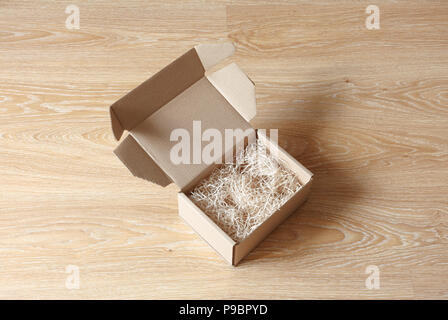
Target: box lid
[{"x": 172, "y": 99}]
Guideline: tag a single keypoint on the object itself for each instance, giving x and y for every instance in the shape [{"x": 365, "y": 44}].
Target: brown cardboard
[
  {"x": 201, "y": 101},
  {"x": 182, "y": 93},
  {"x": 206, "y": 228},
  {"x": 175, "y": 97},
  {"x": 155, "y": 92},
  {"x": 137, "y": 161},
  {"x": 237, "y": 88}
]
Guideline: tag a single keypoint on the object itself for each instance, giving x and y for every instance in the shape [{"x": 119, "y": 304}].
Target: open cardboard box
[{"x": 175, "y": 97}]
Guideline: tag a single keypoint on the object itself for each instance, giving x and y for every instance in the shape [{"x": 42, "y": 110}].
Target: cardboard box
[{"x": 175, "y": 97}]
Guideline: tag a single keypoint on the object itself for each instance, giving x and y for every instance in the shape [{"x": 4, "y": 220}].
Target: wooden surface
[{"x": 365, "y": 110}]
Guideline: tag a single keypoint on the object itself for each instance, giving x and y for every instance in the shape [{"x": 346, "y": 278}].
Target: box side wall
[
  {"x": 206, "y": 228},
  {"x": 303, "y": 173},
  {"x": 247, "y": 245}
]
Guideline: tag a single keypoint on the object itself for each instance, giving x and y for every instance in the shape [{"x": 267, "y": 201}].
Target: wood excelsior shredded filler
[{"x": 240, "y": 196}]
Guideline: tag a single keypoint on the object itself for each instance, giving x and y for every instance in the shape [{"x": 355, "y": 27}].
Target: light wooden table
[{"x": 365, "y": 110}]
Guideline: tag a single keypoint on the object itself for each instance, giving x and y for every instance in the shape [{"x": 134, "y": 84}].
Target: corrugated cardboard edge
[
  {"x": 117, "y": 128},
  {"x": 205, "y": 228}
]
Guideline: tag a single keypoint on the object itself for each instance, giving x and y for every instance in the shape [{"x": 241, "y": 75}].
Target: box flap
[
  {"x": 155, "y": 92},
  {"x": 212, "y": 54},
  {"x": 237, "y": 88},
  {"x": 224, "y": 100},
  {"x": 139, "y": 163}
]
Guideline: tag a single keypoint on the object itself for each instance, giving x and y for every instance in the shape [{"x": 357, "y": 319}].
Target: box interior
[
  {"x": 304, "y": 176},
  {"x": 302, "y": 172},
  {"x": 240, "y": 249}
]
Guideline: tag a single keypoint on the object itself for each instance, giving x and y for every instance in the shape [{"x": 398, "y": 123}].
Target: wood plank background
[{"x": 365, "y": 110}]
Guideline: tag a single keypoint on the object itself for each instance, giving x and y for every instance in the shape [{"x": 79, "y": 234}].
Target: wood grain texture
[{"x": 365, "y": 110}]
